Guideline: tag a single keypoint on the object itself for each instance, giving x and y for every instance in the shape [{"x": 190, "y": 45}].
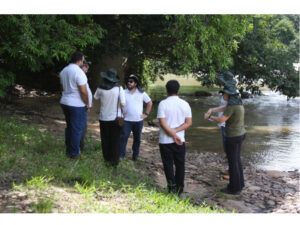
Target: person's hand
[
  {"x": 177, "y": 140},
  {"x": 143, "y": 116},
  {"x": 206, "y": 115}
]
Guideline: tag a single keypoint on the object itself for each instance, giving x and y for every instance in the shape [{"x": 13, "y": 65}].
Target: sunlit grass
[
  {"x": 41, "y": 169},
  {"x": 188, "y": 86}
]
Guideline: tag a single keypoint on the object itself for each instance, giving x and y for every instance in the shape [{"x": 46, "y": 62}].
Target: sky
[{"x": 149, "y": 7}]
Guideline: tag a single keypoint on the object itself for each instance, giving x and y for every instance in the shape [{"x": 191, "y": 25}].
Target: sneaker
[{"x": 227, "y": 191}]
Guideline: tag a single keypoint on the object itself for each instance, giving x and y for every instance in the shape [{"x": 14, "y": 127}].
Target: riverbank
[{"x": 264, "y": 192}]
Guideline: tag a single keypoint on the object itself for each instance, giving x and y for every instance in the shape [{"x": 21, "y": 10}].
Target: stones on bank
[{"x": 264, "y": 191}]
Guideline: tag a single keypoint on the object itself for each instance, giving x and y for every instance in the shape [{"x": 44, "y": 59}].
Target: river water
[{"x": 273, "y": 131}]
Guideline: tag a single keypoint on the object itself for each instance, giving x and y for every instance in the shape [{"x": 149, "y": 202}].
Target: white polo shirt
[
  {"x": 134, "y": 105},
  {"x": 175, "y": 110},
  {"x": 71, "y": 77},
  {"x": 108, "y": 102}
]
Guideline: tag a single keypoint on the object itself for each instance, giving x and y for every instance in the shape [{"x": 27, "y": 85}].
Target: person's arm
[
  {"x": 187, "y": 123},
  {"x": 217, "y": 109},
  {"x": 84, "y": 94},
  {"x": 148, "y": 109},
  {"x": 169, "y": 131},
  {"x": 221, "y": 119}
]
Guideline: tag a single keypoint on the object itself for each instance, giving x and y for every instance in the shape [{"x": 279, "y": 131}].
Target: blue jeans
[
  {"x": 136, "y": 128},
  {"x": 224, "y": 138},
  {"x": 75, "y": 119}
]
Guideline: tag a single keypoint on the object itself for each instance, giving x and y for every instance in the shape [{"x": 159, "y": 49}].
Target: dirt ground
[{"x": 264, "y": 192}]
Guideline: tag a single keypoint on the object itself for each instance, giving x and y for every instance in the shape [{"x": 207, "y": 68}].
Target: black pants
[
  {"x": 173, "y": 154},
  {"x": 233, "y": 148},
  {"x": 110, "y": 141}
]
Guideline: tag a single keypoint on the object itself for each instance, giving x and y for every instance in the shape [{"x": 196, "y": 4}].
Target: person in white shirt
[
  {"x": 85, "y": 68},
  {"x": 134, "y": 116},
  {"x": 74, "y": 102},
  {"x": 175, "y": 116},
  {"x": 223, "y": 102},
  {"x": 112, "y": 99}
]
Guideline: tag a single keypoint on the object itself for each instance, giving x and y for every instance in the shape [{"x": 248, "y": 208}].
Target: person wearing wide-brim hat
[
  {"x": 235, "y": 132},
  {"x": 112, "y": 98}
]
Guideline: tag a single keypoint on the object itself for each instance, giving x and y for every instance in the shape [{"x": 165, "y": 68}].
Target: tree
[
  {"x": 267, "y": 54},
  {"x": 31, "y": 43},
  {"x": 181, "y": 44}
]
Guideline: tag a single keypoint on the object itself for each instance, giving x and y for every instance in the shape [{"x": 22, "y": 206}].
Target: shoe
[
  {"x": 227, "y": 191},
  {"x": 75, "y": 157},
  {"x": 134, "y": 158}
]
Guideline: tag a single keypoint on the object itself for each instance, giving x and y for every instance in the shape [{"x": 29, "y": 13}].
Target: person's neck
[
  {"x": 172, "y": 95},
  {"x": 132, "y": 90}
]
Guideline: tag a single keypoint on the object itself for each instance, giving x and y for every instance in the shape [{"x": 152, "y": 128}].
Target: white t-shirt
[
  {"x": 175, "y": 110},
  {"x": 223, "y": 102},
  {"x": 90, "y": 95},
  {"x": 134, "y": 105},
  {"x": 108, "y": 102},
  {"x": 71, "y": 77}
]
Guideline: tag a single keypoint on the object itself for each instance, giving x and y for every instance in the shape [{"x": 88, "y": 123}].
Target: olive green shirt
[{"x": 235, "y": 124}]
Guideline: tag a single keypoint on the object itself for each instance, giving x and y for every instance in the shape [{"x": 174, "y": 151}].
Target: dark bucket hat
[
  {"x": 110, "y": 79},
  {"x": 229, "y": 83},
  {"x": 111, "y": 75}
]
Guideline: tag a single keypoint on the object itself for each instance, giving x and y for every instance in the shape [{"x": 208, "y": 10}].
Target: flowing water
[{"x": 272, "y": 125}]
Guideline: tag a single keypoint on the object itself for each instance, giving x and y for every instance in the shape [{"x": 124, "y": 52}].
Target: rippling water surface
[{"x": 273, "y": 131}]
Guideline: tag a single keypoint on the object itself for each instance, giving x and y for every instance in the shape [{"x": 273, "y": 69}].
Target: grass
[
  {"x": 188, "y": 86},
  {"x": 34, "y": 163}
]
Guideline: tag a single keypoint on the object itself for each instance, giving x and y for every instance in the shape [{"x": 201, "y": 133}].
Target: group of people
[{"x": 174, "y": 115}]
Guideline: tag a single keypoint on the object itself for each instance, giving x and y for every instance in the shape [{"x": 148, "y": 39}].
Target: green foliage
[
  {"x": 180, "y": 44},
  {"x": 43, "y": 206},
  {"x": 6, "y": 79},
  {"x": 268, "y": 52},
  {"x": 31, "y": 43}
]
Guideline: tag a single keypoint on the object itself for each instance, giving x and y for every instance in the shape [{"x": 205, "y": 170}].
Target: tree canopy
[{"x": 262, "y": 47}]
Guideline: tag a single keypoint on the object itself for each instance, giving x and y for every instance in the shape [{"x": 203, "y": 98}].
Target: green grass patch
[
  {"x": 37, "y": 162},
  {"x": 188, "y": 86}
]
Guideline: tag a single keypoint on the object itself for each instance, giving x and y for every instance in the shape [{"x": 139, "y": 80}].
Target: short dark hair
[
  {"x": 76, "y": 56},
  {"x": 172, "y": 86}
]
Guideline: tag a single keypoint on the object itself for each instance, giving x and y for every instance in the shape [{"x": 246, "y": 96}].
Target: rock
[
  {"x": 253, "y": 189},
  {"x": 239, "y": 206},
  {"x": 275, "y": 173},
  {"x": 271, "y": 203}
]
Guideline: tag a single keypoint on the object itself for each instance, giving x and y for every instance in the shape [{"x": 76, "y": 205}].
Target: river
[{"x": 273, "y": 131}]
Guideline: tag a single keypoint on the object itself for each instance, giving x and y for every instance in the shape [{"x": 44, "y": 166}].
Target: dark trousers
[
  {"x": 173, "y": 154},
  {"x": 75, "y": 119},
  {"x": 110, "y": 141},
  {"x": 233, "y": 148},
  {"x": 136, "y": 128},
  {"x": 224, "y": 138}
]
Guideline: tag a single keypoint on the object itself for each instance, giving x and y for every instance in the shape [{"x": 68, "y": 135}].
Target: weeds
[{"x": 37, "y": 160}]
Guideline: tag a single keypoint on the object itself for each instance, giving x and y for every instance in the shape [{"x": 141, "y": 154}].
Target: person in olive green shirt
[{"x": 235, "y": 132}]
